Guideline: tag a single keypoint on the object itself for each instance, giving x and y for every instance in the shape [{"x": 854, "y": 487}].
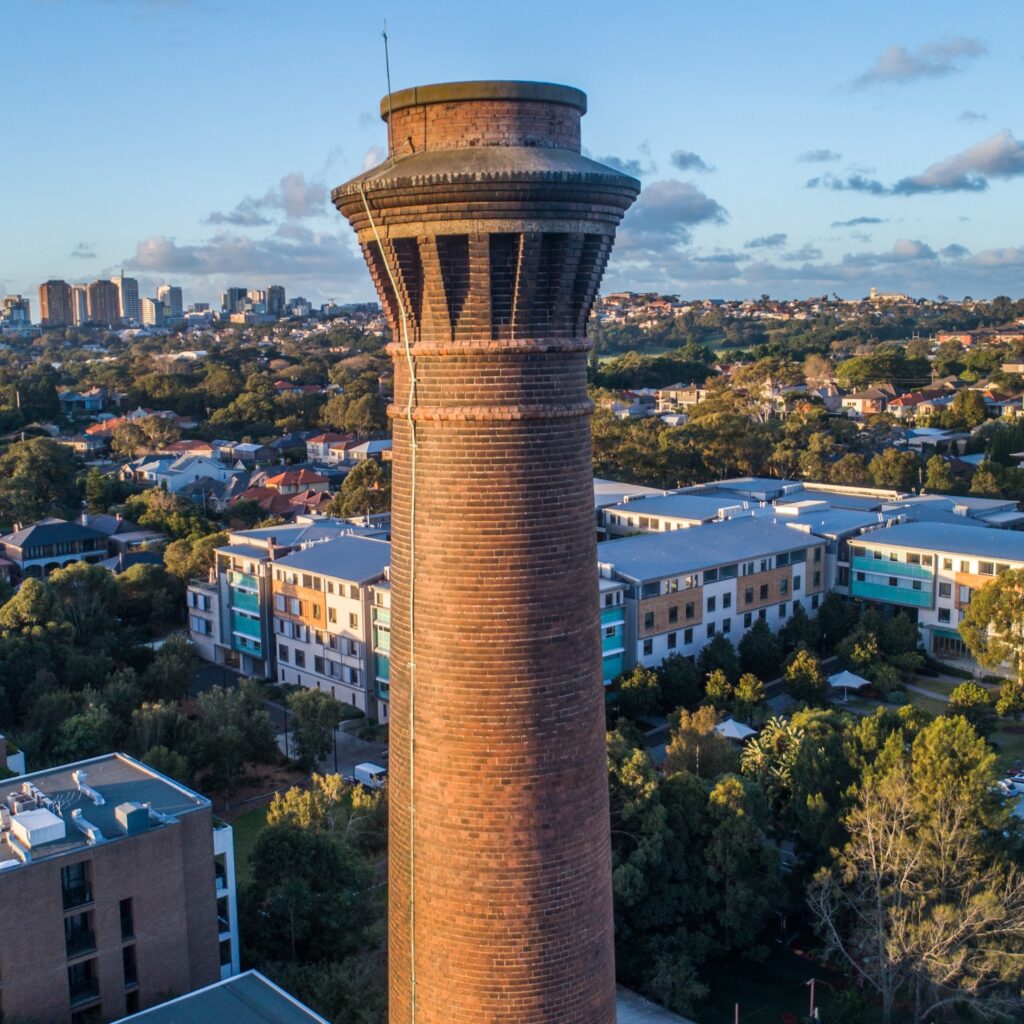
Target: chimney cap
[{"x": 463, "y": 92}]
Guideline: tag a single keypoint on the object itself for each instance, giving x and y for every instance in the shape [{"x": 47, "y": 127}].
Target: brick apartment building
[{"x": 118, "y": 889}]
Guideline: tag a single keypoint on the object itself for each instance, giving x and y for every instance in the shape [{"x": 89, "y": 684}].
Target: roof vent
[
  {"x": 132, "y": 817},
  {"x": 80, "y": 776}
]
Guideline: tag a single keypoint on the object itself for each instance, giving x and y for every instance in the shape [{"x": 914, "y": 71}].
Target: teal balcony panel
[
  {"x": 891, "y": 595},
  {"x": 884, "y": 567}
]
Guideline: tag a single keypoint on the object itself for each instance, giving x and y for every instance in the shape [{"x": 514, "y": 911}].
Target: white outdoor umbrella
[
  {"x": 846, "y": 681},
  {"x": 733, "y": 730}
]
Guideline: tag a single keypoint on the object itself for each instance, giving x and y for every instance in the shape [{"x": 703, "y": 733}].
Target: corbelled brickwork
[{"x": 486, "y": 236}]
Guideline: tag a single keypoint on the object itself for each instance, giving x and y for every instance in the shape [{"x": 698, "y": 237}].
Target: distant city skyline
[{"x": 796, "y": 154}]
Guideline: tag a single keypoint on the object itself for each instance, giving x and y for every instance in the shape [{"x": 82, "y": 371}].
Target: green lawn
[
  {"x": 931, "y": 705},
  {"x": 246, "y": 828}
]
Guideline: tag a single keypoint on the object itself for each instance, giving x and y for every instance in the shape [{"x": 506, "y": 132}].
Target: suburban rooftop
[{"x": 111, "y": 796}]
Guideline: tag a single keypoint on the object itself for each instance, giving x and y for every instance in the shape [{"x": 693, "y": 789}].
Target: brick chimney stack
[{"x": 486, "y": 234}]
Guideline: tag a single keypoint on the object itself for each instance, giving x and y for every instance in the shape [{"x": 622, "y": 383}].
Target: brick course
[{"x": 504, "y": 867}]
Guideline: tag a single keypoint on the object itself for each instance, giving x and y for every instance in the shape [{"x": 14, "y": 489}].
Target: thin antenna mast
[{"x": 387, "y": 69}]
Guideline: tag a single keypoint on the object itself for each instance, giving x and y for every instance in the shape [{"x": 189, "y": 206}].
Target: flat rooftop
[
  {"x": 117, "y": 778},
  {"x": 969, "y": 539},
  {"x": 247, "y": 998},
  {"x": 653, "y": 556},
  {"x": 611, "y": 492},
  {"x": 681, "y": 506},
  {"x": 357, "y": 559}
]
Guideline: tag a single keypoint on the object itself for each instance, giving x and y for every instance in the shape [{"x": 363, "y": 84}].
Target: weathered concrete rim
[{"x": 462, "y": 92}]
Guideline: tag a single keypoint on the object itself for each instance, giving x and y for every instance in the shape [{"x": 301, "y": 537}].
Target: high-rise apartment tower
[
  {"x": 104, "y": 303},
  {"x": 486, "y": 234},
  {"x": 55, "y": 304}
]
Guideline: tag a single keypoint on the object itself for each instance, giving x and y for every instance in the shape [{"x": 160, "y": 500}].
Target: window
[
  {"x": 815, "y": 601},
  {"x": 861, "y": 577},
  {"x": 127, "y": 925},
  {"x": 893, "y": 581},
  {"x": 943, "y": 615},
  {"x": 748, "y": 595},
  {"x": 671, "y": 586},
  {"x": 332, "y": 614},
  {"x": 782, "y": 610},
  {"x": 330, "y": 586},
  {"x": 672, "y": 641},
  {"x": 318, "y": 665},
  {"x": 294, "y": 606},
  {"x": 711, "y": 630},
  {"x": 648, "y": 647},
  {"x": 307, "y": 581},
  {"x": 131, "y": 973},
  {"x": 279, "y": 602},
  {"x": 817, "y": 579},
  {"x": 817, "y": 555},
  {"x": 965, "y": 566},
  {"x": 726, "y": 625},
  {"x": 353, "y": 620},
  {"x": 947, "y": 563},
  {"x": 74, "y": 884},
  {"x": 711, "y": 603},
  {"x": 1002, "y": 567},
  {"x": 916, "y": 584},
  {"x": 728, "y": 572},
  {"x": 300, "y": 658},
  {"x": 913, "y": 558},
  {"x": 727, "y": 600},
  {"x": 763, "y": 592},
  {"x": 648, "y": 620},
  {"x": 79, "y": 937},
  {"x": 710, "y": 575},
  {"x": 926, "y": 560},
  {"x": 650, "y": 589},
  {"x": 748, "y": 620},
  {"x": 673, "y": 613},
  {"x": 783, "y": 586},
  {"x": 782, "y": 559},
  {"x": 689, "y": 611},
  {"x": 796, "y": 583},
  {"x": 83, "y": 983},
  {"x": 282, "y": 652},
  {"x": 687, "y": 636},
  {"x": 945, "y": 590},
  {"x": 762, "y": 614},
  {"x": 353, "y": 592}
]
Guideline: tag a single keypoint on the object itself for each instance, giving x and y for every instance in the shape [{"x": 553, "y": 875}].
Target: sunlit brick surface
[{"x": 496, "y": 232}]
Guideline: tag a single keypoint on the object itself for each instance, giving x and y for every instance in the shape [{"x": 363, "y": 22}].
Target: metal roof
[
  {"x": 357, "y": 559},
  {"x": 680, "y": 506},
  {"x": 656, "y": 555},
  {"x": 247, "y": 998},
  {"x": 969, "y": 539}
]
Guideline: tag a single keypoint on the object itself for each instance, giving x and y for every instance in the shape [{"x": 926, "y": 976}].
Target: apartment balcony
[
  {"x": 883, "y": 567},
  {"x": 611, "y": 644},
  {"x": 245, "y": 601},
  {"x": 906, "y": 596},
  {"x": 241, "y": 579}
]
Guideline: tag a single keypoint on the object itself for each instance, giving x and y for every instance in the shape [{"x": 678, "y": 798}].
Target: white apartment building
[
  {"x": 929, "y": 571},
  {"x": 323, "y": 618}
]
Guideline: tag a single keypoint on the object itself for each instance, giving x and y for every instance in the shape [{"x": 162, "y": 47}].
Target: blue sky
[{"x": 794, "y": 149}]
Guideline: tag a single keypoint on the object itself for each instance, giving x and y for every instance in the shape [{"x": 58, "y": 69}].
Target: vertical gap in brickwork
[
  {"x": 504, "y": 257},
  {"x": 527, "y": 286},
  {"x": 410, "y": 277},
  {"x": 588, "y": 276},
  {"x": 379, "y": 273},
  {"x": 453, "y": 257}
]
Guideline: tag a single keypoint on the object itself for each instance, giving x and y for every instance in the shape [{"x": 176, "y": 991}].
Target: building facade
[
  {"x": 324, "y": 619},
  {"x": 128, "y": 299},
  {"x": 104, "y": 303},
  {"x": 55, "y": 304},
  {"x": 929, "y": 571},
  {"x": 118, "y": 887},
  {"x": 681, "y": 589}
]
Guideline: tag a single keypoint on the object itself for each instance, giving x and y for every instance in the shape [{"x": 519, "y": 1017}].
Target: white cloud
[{"x": 933, "y": 60}]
